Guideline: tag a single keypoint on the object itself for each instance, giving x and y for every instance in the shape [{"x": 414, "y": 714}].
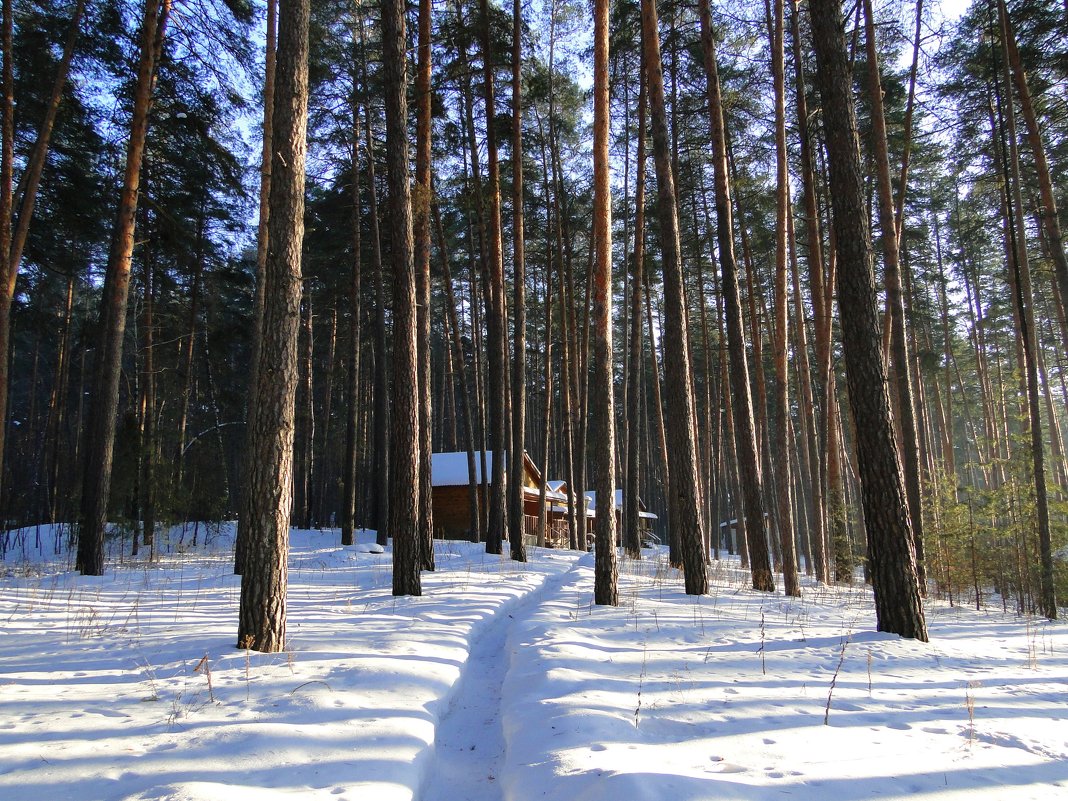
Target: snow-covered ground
[{"x": 504, "y": 683}]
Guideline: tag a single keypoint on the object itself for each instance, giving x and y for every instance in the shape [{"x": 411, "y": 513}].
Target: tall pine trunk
[
  {"x": 421, "y": 233},
  {"x": 901, "y": 373},
  {"x": 519, "y": 358},
  {"x": 781, "y": 395},
  {"x": 350, "y": 459},
  {"x": 405, "y": 443},
  {"x": 682, "y": 451},
  {"x": 893, "y": 562},
  {"x": 269, "y": 463},
  {"x": 742, "y": 403},
  {"x": 602, "y": 441},
  {"x": 266, "y": 159},
  {"x": 107, "y": 367}
]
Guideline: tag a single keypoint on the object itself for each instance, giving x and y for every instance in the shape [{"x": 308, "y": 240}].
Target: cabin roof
[
  {"x": 449, "y": 469},
  {"x": 591, "y": 505}
]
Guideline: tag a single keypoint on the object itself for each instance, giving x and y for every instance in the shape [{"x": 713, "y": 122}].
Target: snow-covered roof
[
  {"x": 591, "y": 505},
  {"x": 534, "y": 493},
  {"x": 450, "y": 469},
  {"x": 556, "y": 485}
]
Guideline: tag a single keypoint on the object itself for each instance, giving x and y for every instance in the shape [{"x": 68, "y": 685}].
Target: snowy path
[{"x": 469, "y": 743}]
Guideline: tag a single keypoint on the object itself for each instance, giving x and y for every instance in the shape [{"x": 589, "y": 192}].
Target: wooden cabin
[
  {"x": 645, "y": 517},
  {"x": 451, "y": 481}
]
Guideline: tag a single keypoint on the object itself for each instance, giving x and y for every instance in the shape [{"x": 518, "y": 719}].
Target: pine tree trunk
[
  {"x": 350, "y": 461},
  {"x": 148, "y": 405},
  {"x": 269, "y": 463},
  {"x": 1048, "y": 210},
  {"x": 495, "y": 318},
  {"x": 405, "y": 441},
  {"x": 465, "y": 394},
  {"x": 381, "y": 448},
  {"x": 100, "y": 439},
  {"x": 7, "y": 167},
  {"x": 421, "y": 233},
  {"x": 603, "y": 412},
  {"x": 58, "y": 405},
  {"x": 266, "y": 159},
  {"x": 781, "y": 399},
  {"x": 742, "y": 404},
  {"x": 519, "y": 395},
  {"x": 631, "y": 531},
  {"x": 902, "y": 373},
  {"x": 682, "y": 454},
  {"x": 1024, "y": 302},
  {"x": 814, "y": 247},
  {"x": 305, "y": 418},
  {"x": 893, "y": 567},
  {"x": 14, "y": 228}
]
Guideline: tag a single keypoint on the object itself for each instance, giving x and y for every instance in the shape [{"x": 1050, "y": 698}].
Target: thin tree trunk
[
  {"x": 682, "y": 455},
  {"x": 266, "y": 160},
  {"x": 1048, "y": 209},
  {"x": 495, "y": 318},
  {"x": 742, "y": 405},
  {"x": 631, "y": 532},
  {"x": 465, "y": 394},
  {"x": 305, "y": 421},
  {"x": 349, "y": 463},
  {"x": 1024, "y": 302},
  {"x": 421, "y": 233},
  {"x": 902, "y": 372},
  {"x": 603, "y": 434},
  {"x": 816, "y": 289},
  {"x": 781, "y": 396},
  {"x": 148, "y": 405},
  {"x": 381, "y": 375},
  {"x": 13, "y": 232},
  {"x": 519, "y": 358},
  {"x": 7, "y": 168},
  {"x": 100, "y": 441}
]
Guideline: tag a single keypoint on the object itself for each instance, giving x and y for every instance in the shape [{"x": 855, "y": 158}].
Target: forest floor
[{"x": 504, "y": 682}]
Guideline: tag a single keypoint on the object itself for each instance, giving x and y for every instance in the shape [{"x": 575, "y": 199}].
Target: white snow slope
[{"x": 504, "y": 683}]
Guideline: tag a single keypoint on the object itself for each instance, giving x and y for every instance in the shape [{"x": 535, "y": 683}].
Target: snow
[{"x": 504, "y": 682}]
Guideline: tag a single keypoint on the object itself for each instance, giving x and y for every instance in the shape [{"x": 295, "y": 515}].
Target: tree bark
[
  {"x": 902, "y": 372},
  {"x": 603, "y": 411},
  {"x": 1048, "y": 209},
  {"x": 461, "y": 362},
  {"x": 893, "y": 566},
  {"x": 682, "y": 454},
  {"x": 266, "y": 159},
  {"x": 781, "y": 395},
  {"x": 421, "y": 232},
  {"x": 495, "y": 318},
  {"x": 742, "y": 403},
  {"x": 103, "y": 409},
  {"x": 405, "y": 524},
  {"x": 349, "y": 463},
  {"x": 1024, "y": 302},
  {"x": 631, "y": 523},
  {"x": 269, "y": 464},
  {"x": 519, "y": 358},
  {"x": 7, "y": 169}
]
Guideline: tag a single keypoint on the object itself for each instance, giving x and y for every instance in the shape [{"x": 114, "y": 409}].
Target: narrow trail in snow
[{"x": 469, "y": 741}]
